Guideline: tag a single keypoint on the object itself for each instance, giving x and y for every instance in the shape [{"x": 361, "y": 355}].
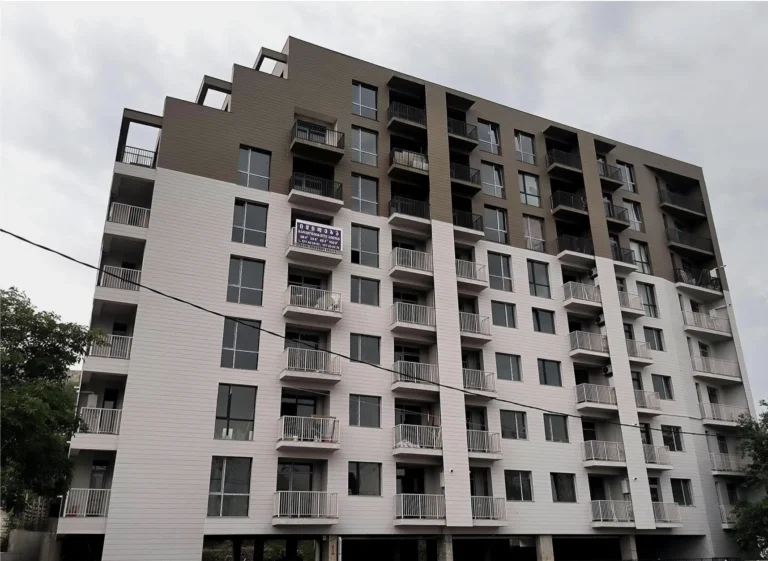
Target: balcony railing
[
  {"x": 96, "y": 420},
  {"x": 572, "y": 243},
  {"x": 607, "y": 170},
  {"x": 612, "y": 511},
  {"x": 413, "y": 313},
  {"x": 129, "y": 215},
  {"x": 464, "y": 219},
  {"x": 658, "y": 455},
  {"x": 314, "y": 298},
  {"x": 138, "y": 157},
  {"x": 465, "y": 173},
  {"x": 484, "y": 442},
  {"x": 630, "y": 301},
  {"x": 405, "y": 112},
  {"x": 317, "y": 185},
  {"x": 305, "y": 504},
  {"x": 645, "y": 399},
  {"x": 638, "y": 349},
  {"x": 409, "y": 159},
  {"x": 86, "y": 502},
  {"x": 418, "y": 436},
  {"x": 703, "y": 279},
  {"x": 410, "y": 259},
  {"x": 593, "y": 393},
  {"x": 489, "y": 508},
  {"x": 115, "y": 346},
  {"x": 717, "y": 366},
  {"x": 462, "y": 128},
  {"x": 293, "y": 242},
  {"x": 311, "y": 360},
  {"x": 302, "y": 130},
  {"x": 308, "y": 429},
  {"x": 563, "y": 159},
  {"x": 585, "y": 341},
  {"x": 694, "y": 204},
  {"x": 727, "y": 462},
  {"x": 727, "y": 515},
  {"x": 579, "y": 291},
  {"x": 720, "y": 412},
  {"x": 616, "y": 212},
  {"x": 479, "y": 380},
  {"x": 420, "y": 506},
  {"x": 474, "y": 323},
  {"x": 666, "y": 513},
  {"x": 410, "y": 207},
  {"x": 120, "y": 278},
  {"x": 706, "y": 321},
  {"x": 604, "y": 451},
  {"x": 415, "y": 372},
  {"x": 691, "y": 240},
  {"x": 535, "y": 244},
  {"x": 470, "y": 270},
  {"x": 561, "y": 198}
]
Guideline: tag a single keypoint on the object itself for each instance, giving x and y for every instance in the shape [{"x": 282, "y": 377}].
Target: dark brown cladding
[{"x": 204, "y": 141}]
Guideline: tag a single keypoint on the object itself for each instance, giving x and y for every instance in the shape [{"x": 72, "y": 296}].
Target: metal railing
[
  {"x": 302, "y": 130},
  {"x": 616, "y": 212},
  {"x": 409, "y": 159},
  {"x": 305, "y": 504},
  {"x": 470, "y": 270},
  {"x": 418, "y": 436},
  {"x": 561, "y": 198},
  {"x": 462, "y": 128},
  {"x": 308, "y": 429},
  {"x": 610, "y": 171},
  {"x": 97, "y": 420},
  {"x": 645, "y": 399},
  {"x": 489, "y": 508},
  {"x": 579, "y": 291},
  {"x": 622, "y": 254},
  {"x": 115, "y": 346},
  {"x": 483, "y": 441},
  {"x": 119, "y": 277},
  {"x": 479, "y": 380},
  {"x": 311, "y": 360},
  {"x": 658, "y": 455},
  {"x": 727, "y": 462},
  {"x": 465, "y": 173},
  {"x": 638, "y": 349},
  {"x": 572, "y": 243},
  {"x": 130, "y": 215},
  {"x": 703, "y": 279},
  {"x": 138, "y": 157},
  {"x": 720, "y": 412},
  {"x": 317, "y": 185},
  {"x": 86, "y": 502},
  {"x": 474, "y": 323},
  {"x": 588, "y": 341},
  {"x": 691, "y": 203},
  {"x": 612, "y": 511},
  {"x": 716, "y": 366},
  {"x": 706, "y": 321},
  {"x": 464, "y": 219},
  {"x": 604, "y": 451},
  {"x": 314, "y": 298},
  {"x": 563, "y": 159},
  {"x": 411, "y": 259},
  {"x": 420, "y": 506},
  {"x": 415, "y": 372},
  {"x": 405, "y": 112},
  {"x": 727, "y": 515},
  {"x": 413, "y": 313},
  {"x": 691, "y": 240},
  {"x": 293, "y": 242},
  {"x": 410, "y": 207},
  {"x": 593, "y": 393},
  {"x": 666, "y": 512},
  {"x": 630, "y": 301},
  {"x": 535, "y": 244}
]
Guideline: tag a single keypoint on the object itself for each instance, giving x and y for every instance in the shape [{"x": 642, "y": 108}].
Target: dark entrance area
[
  {"x": 587, "y": 549},
  {"x": 81, "y": 548},
  {"x": 494, "y": 549},
  {"x": 401, "y": 549}
]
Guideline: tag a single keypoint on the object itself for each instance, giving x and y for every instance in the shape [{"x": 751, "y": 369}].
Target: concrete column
[
  {"x": 237, "y": 549},
  {"x": 445, "y": 548},
  {"x": 258, "y": 549},
  {"x": 544, "y": 549},
  {"x": 329, "y": 548},
  {"x": 628, "y": 547}
]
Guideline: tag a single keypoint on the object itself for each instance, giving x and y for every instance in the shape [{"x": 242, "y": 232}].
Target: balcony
[
  {"x": 128, "y": 220},
  {"x": 657, "y": 457},
  {"x": 610, "y": 176},
  {"x": 489, "y": 511},
  {"x": 402, "y": 118},
  {"x": 690, "y": 245},
  {"x": 419, "y": 510},
  {"x": 410, "y": 215},
  {"x": 462, "y": 135},
  {"x": 465, "y": 177},
  {"x": 563, "y": 164},
  {"x": 727, "y": 517},
  {"x": 595, "y": 398},
  {"x": 728, "y": 464},
  {"x": 698, "y": 284},
  {"x": 413, "y": 267},
  {"x": 407, "y": 165},
  {"x": 588, "y": 347},
  {"x": 316, "y": 192},
  {"x": 711, "y": 328},
  {"x": 474, "y": 328},
  {"x": 604, "y": 454},
  {"x": 113, "y": 346},
  {"x": 716, "y": 370},
  {"x": 316, "y": 142},
  {"x": 583, "y": 299},
  {"x": 470, "y": 276},
  {"x": 81, "y": 503},
  {"x": 648, "y": 402},
  {"x": 307, "y": 433},
  {"x": 133, "y": 156},
  {"x": 575, "y": 251},
  {"x": 682, "y": 206},
  {"x": 667, "y": 515},
  {"x": 467, "y": 226},
  {"x": 617, "y": 217},
  {"x": 310, "y": 365},
  {"x": 412, "y": 319},
  {"x": 484, "y": 445},
  {"x": 118, "y": 284},
  {"x": 305, "y": 508},
  {"x": 481, "y": 384},
  {"x": 719, "y": 415},
  {"x": 98, "y": 429},
  {"x": 417, "y": 441},
  {"x": 638, "y": 352},
  {"x": 569, "y": 207},
  {"x": 612, "y": 514},
  {"x": 623, "y": 259},
  {"x": 316, "y": 249},
  {"x": 312, "y": 304},
  {"x": 415, "y": 377},
  {"x": 631, "y": 305}
]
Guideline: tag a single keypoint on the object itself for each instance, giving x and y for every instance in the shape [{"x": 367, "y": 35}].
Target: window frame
[
  {"x": 505, "y": 264},
  {"x": 543, "y": 376},
  {"x": 518, "y": 418},
  {"x": 507, "y": 307},
  {"x": 494, "y": 130},
  {"x": 238, "y": 324},
  {"x": 665, "y": 384},
  {"x": 357, "y": 151},
  {"x": 523, "y": 185},
  {"x": 245, "y": 204},
  {"x": 357, "y": 472},
  {"x": 672, "y": 434},
  {"x": 657, "y": 343},
  {"x": 239, "y": 286},
  {"x": 355, "y": 289},
  {"x": 635, "y": 214},
  {"x": 521, "y": 155},
  {"x": 684, "y": 492},
  {"x": 515, "y": 364},
  {"x": 247, "y": 171},
  {"x": 222, "y": 494},
  {"x": 377, "y": 406},
  {"x": 360, "y": 86},
  {"x": 520, "y": 475},
  {"x": 533, "y": 284},
  {"x": 535, "y": 312},
  {"x": 356, "y": 348},
  {"x": 496, "y": 189},
  {"x": 499, "y": 228},
  {"x": 356, "y": 243},
  {"x": 549, "y": 433},
  {"x": 533, "y": 243},
  {"x": 229, "y": 417},
  {"x": 571, "y": 478},
  {"x": 641, "y": 257},
  {"x": 629, "y": 182},
  {"x": 650, "y": 304},
  {"x": 357, "y": 189}
]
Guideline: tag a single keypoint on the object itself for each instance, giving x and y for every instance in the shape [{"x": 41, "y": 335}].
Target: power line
[{"x": 250, "y": 324}]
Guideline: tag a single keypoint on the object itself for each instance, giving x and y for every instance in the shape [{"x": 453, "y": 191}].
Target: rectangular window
[
  {"x": 662, "y": 385},
  {"x": 529, "y": 189},
  {"x": 492, "y": 177},
  {"x": 672, "y": 437},
  {"x": 235, "y": 406},
  {"x": 513, "y": 425},
  {"x": 648, "y": 297},
  {"x": 240, "y": 344},
  {"x": 519, "y": 485},
  {"x": 495, "y": 224},
  {"x": 563, "y": 487},
  {"x": 249, "y": 223},
  {"x": 503, "y": 314},
  {"x": 508, "y": 367},
  {"x": 365, "y": 246},
  {"x": 246, "y": 281},
  {"x": 229, "y": 491},
  {"x": 524, "y": 148},
  {"x": 364, "y": 411},
  {"x": 628, "y": 176},
  {"x": 641, "y": 256},
  {"x": 538, "y": 279},
  {"x": 365, "y": 146},
  {"x": 364, "y": 348},
  {"x": 365, "y": 291},
  {"x": 549, "y": 373},
  {"x": 364, "y": 479},
  {"x": 655, "y": 338},
  {"x": 488, "y": 134},
  {"x": 556, "y": 428},
  {"x": 635, "y": 214},
  {"x": 534, "y": 233},
  {"x": 543, "y": 321},
  {"x": 363, "y": 100},
  {"x": 500, "y": 272},
  {"x": 681, "y": 491},
  {"x": 365, "y": 194},
  {"x": 253, "y": 168}
]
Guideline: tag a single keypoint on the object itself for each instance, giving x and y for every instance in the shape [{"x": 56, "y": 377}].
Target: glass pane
[
  {"x": 498, "y": 314},
  {"x": 494, "y": 264},
  {"x": 559, "y": 429},
  {"x": 355, "y": 93},
  {"x": 242, "y": 160},
  {"x": 259, "y": 164},
  {"x": 233, "y": 294},
  {"x": 368, "y": 189},
  {"x": 251, "y": 296},
  {"x": 368, "y": 113},
  {"x": 234, "y": 271},
  {"x": 354, "y": 417},
  {"x": 256, "y": 182},
  {"x": 368, "y": 140},
  {"x": 235, "y": 505},
  {"x": 242, "y": 178},
  {"x": 369, "y": 292},
  {"x": 503, "y": 370},
  {"x": 241, "y": 430},
  {"x": 368, "y": 159},
  {"x": 369, "y": 259},
  {"x": 220, "y": 429},
  {"x": 369, "y": 208},
  {"x": 214, "y": 505},
  {"x": 525, "y": 481},
  {"x": 248, "y": 336},
  {"x": 229, "y": 334},
  {"x": 255, "y": 238},
  {"x": 222, "y": 400},
  {"x": 370, "y": 479},
  {"x": 370, "y": 349},
  {"x": 356, "y": 137},
  {"x": 237, "y": 478},
  {"x": 486, "y": 173},
  {"x": 246, "y": 360},
  {"x": 216, "y": 467},
  {"x": 256, "y": 217},
  {"x": 252, "y": 274},
  {"x": 239, "y": 214},
  {"x": 227, "y": 357},
  {"x": 243, "y": 402},
  {"x": 369, "y": 411},
  {"x": 237, "y": 235},
  {"x": 368, "y": 97}
]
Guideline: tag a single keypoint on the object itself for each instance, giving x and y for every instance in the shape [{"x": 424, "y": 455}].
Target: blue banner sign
[{"x": 318, "y": 236}]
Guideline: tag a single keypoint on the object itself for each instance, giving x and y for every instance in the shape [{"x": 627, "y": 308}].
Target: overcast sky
[{"x": 686, "y": 80}]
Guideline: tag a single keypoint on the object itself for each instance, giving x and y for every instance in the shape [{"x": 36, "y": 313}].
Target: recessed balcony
[
  {"x": 118, "y": 284},
  {"x": 480, "y": 383},
  {"x": 708, "y": 327},
  {"x": 127, "y": 220},
  {"x": 657, "y": 457},
  {"x": 569, "y": 207},
  {"x": 593, "y": 398},
  {"x": 312, "y": 304},
  {"x": 579, "y": 252},
  {"x": 316, "y": 142},
  {"x": 417, "y": 441},
  {"x": 139, "y": 157},
  {"x": 413, "y": 509},
  {"x": 623, "y": 259},
  {"x": 604, "y": 454},
  {"x": 98, "y": 429},
  {"x": 305, "y": 508},
  {"x": 638, "y": 352},
  {"x": 307, "y": 433},
  {"x": 489, "y": 511},
  {"x": 631, "y": 305},
  {"x": 719, "y": 415},
  {"x": 406, "y": 119},
  {"x": 610, "y": 176},
  {"x": 415, "y": 377},
  {"x": 698, "y": 284},
  {"x": 728, "y": 464},
  {"x": 715, "y": 370},
  {"x": 484, "y": 445},
  {"x": 314, "y": 245},
  {"x": 727, "y": 517},
  {"x": 468, "y": 227},
  {"x": 667, "y": 515},
  {"x": 84, "y": 511},
  {"x": 465, "y": 177},
  {"x": 588, "y": 347},
  {"x": 563, "y": 164},
  {"x": 647, "y": 402},
  {"x": 690, "y": 245},
  {"x": 682, "y": 206},
  {"x": 316, "y": 192},
  {"x": 474, "y": 328},
  {"x": 407, "y": 165},
  {"x": 470, "y": 276},
  {"x": 617, "y": 217},
  {"x": 112, "y": 346},
  {"x": 410, "y": 266},
  {"x": 612, "y": 514},
  {"x": 412, "y": 319},
  {"x": 410, "y": 215},
  {"x": 310, "y": 365},
  {"x": 582, "y": 299},
  {"x": 462, "y": 135}
]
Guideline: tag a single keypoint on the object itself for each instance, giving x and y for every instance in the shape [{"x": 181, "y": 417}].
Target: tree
[{"x": 38, "y": 401}]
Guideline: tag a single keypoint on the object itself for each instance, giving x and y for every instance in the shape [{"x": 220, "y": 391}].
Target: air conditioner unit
[
  {"x": 625, "y": 486},
  {"x": 608, "y": 370},
  {"x": 593, "y": 273},
  {"x": 600, "y": 320}
]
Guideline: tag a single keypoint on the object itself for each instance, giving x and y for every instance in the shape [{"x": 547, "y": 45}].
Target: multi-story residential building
[{"x": 363, "y": 217}]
